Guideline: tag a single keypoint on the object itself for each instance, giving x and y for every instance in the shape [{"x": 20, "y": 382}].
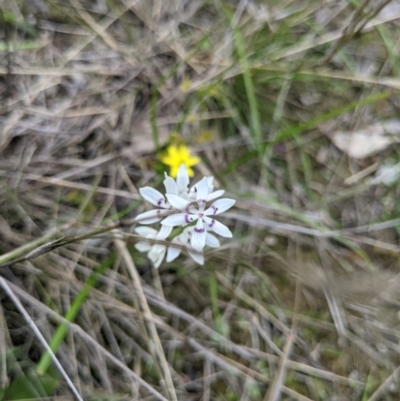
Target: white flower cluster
[{"x": 178, "y": 208}]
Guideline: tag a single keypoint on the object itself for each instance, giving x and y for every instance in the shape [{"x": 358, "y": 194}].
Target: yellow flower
[{"x": 177, "y": 155}]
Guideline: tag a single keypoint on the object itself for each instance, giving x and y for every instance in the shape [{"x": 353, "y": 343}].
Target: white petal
[
  {"x": 219, "y": 206},
  {"x": 180, "y": 219},
  {"x": 215, "y": 195},
  {"x": 218, "y": 227},
  {"x": 202, "y": 191},
  {"x": 186, "y": 232},
  {"x": 151, "y": 216},
  {"x": 212, "y": 241},
  {"x": 143, "y": 246},
  {"x": 199, "y": 236},
  {"x": 146, "y": 232},
  {"x": 184, "y": 195},
  {"x": 182, "y": 179},
  {"x": 183, "y": 237},
  {"x": 172, "y": 253},
  {"x": 153, "y": 196},
  {"x": 192, "y": 210},
  {"x": 177, "y": 202},
  {"x": 193, "y": 190},
  {"x": 164, "y": 232},
  {"x": 156, "y": 254},
  {"x": 210, "y": 183},
  {"x": 170, "y": 185},
  {"x": 198, "y": 257}
]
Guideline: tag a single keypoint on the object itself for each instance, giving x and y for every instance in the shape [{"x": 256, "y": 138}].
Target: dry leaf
[{"x": 369, "y": 140}]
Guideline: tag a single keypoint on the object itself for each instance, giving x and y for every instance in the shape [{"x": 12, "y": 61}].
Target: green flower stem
[{"x": 62, "y": 330}]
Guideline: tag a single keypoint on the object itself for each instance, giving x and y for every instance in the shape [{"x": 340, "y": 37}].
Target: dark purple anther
[
  {"x": 160, "y": 201},
  {"x": 212, "y": 224}
]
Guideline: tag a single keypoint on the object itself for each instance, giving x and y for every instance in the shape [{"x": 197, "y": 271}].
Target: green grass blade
[
  {"x": 294, "y": 130},
  {"x": 76, "y": 306},
  {"x": 249, "y": 87}
]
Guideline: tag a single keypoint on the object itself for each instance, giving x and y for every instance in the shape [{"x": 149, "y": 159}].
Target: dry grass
[{"x": 302, "y": 304}]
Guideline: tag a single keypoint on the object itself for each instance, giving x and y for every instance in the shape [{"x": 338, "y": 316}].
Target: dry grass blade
[
  {"x": 275, "y": 389},
  {"x": 4, "y": 381},
  {"x": 154, "y": 343},
  {"x": 40, "y": 337},
  {"x": 85, "y": 187},
  {"x": 380, "y": 392},
  {"x": 31, "y": 246},
  {"x": 254, "y": 304},
  {"x": 87, "y": 338}
]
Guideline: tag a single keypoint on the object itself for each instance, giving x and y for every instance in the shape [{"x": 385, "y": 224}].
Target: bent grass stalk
[{"x": 62, "y": 330}]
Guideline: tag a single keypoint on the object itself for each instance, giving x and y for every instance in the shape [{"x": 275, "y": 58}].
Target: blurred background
[{"x": 292, "y": 107}]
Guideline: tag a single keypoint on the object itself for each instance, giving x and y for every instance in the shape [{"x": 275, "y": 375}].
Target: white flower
[
  {"x": 198, "y": 239},
  {"x": 157, "y": 199},
  {"x": 211, "y": 195},
  {"x": 156, "y": 252},
  {"x": 152, "y": 216},
  {"x": 184, "y": 239},
  {"x": 179, "y": 187},
  {"x": 177, "y": 204}
]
